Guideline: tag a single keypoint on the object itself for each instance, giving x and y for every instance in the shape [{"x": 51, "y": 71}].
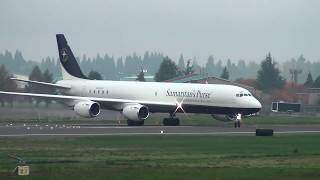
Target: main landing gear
[
  {"x": 237, "y": 122},
  {"x": 171, "y": 121}
]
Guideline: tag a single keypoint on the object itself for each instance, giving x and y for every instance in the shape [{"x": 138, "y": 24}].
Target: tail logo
[{"x": 64, "y": 55}]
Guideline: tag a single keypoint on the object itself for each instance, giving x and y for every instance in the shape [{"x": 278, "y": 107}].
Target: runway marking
[
  {"x": 130, "y": 127},
  {"x": 125, "y": 134},
  {"x": 296, "y": 132}
]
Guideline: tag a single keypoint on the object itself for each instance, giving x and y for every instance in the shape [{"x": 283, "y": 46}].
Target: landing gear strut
[
  {"x": 237, "y": 122},
  {"x": 171, "y": 121}
]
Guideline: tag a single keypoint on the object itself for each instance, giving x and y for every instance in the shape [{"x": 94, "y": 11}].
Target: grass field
[{"x": 165, "y": 157}]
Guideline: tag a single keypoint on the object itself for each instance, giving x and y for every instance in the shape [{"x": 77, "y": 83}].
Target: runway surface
[{"x": 11, "y": 130}]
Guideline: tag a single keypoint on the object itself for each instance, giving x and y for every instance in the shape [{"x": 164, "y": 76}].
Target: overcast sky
[{"x": 236, "y": 29}]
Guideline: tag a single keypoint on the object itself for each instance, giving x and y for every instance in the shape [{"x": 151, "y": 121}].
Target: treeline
[
  {"x": 114, "y": 68},
  {"x": 7, "y": 84}
]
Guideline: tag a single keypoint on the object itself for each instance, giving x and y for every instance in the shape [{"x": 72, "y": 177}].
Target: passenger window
[
  {"x": 98, "y": 91},
  {"x": 102, "y": 91},
  {"x": 94, "y": 91},
  {"x": 90, "y": 91}
]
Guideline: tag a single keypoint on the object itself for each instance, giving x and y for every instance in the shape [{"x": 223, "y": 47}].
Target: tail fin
[{"x": 69, "y": 66}]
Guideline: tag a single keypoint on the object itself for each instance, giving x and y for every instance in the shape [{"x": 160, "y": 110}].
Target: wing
[{"x": 80, "y": 98}]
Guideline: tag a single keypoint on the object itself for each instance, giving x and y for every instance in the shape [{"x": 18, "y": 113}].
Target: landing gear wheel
[
  {"x": 171, "y": 122},
  {"x": 135, "y": 123}
]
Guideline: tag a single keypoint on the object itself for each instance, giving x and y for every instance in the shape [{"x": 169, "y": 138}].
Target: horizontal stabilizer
[{"x": 43, "y": 83}]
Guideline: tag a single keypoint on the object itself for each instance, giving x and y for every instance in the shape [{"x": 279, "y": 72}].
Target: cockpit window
[
  {"x": 249, "y": 94},
  {"x": 245, "y": 94},
  {"x": 241, "y": 95},
  {"x": 237, "y": 95}
]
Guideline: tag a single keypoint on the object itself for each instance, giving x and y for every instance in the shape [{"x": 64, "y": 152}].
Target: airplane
[{"x": 137, "y": 100}]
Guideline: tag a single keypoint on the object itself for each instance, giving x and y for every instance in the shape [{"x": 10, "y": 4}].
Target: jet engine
[
  {"x": 135, "y": 112},
  {"x": 87, "y": 109}
]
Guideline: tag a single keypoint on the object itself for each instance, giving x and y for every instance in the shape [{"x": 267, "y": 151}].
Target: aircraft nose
[{"x": 257, "y": 104}]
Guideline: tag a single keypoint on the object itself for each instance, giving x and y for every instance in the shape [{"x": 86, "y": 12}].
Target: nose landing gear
[{"x": 171, "y": 121}]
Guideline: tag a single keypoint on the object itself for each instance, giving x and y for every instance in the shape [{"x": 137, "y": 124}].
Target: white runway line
[
  {"x": 126, "y": 134},
  {"x": 296, "y": 132}
]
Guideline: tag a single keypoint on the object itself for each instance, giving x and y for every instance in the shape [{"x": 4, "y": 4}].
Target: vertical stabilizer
[{"x": 69, "y": 66}]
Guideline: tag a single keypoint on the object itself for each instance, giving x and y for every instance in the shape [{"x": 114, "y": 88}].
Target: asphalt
[{"x": 12, "y": 130}]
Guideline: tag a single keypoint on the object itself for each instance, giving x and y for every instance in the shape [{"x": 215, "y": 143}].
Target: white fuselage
[{"x": 193, "y": 95}]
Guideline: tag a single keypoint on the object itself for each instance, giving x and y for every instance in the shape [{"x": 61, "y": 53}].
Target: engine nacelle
[
  {"x": 87, "y": 109},
  {"x": 135, "y": 112}
]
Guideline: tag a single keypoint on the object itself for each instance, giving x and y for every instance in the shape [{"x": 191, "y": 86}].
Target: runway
[{"x": 12, "y": 130}]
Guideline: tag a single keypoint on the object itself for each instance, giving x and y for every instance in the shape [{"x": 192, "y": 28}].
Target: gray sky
[{"x": 236, "y": 29}]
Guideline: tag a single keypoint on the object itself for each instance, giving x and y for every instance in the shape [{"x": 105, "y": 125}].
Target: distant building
[
  {"x": 310, "y": 96},
  {"x": 134, "y": 78}
]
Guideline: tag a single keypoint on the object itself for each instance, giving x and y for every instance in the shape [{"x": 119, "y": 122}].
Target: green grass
[{"x": 165, "y": 157}]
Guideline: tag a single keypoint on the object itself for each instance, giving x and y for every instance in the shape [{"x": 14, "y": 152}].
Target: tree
[
  {"x": 6, "y": 84},
  {"x": 140, "y": 76},
  {"x": 210, "y": 65},
  {"x": 189, "y": 69},
  {"x": 225, "y": 73},
  {"x": 94, "y": 75},
  {"x": 3, "y": 77},
  {"x": 181, "y": 63},
  {"x": 47, "y": 77},
  {"x": 309, "y": 81},
  {"x": 316, "y": 83},
  {"x": 36, "y": 75},
  {"x": 269, "y": 76},
  {"x": 196, "y": 68},
  {"x": 120, "y": 66},
  {"x": 168, "y": 70}
]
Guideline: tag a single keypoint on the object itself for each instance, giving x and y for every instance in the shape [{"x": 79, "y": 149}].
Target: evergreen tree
[
  {"x": 94, "y": 75},
  {"x": 225, "y": 73},
  {"x": 140, "y": 76},
  {"x": 269, "y": 76},
  {"x": 189, "y": 69},
  {"x": 3, "y": 77},
  {"x": 120, "y": 66},
  {"x": 6, "y": 84},
  {"x": 309, "y": 81},
  {"x": 181, "y": 64},
  {"x": 47, "y": 77},
  {"x": 196, "y": 68},
  {"x": 168, "y": 70},
  {"x": 210, "y": 68},
  {"x": 36, "y": 75},
  {"x": 316, "y": 83}
]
